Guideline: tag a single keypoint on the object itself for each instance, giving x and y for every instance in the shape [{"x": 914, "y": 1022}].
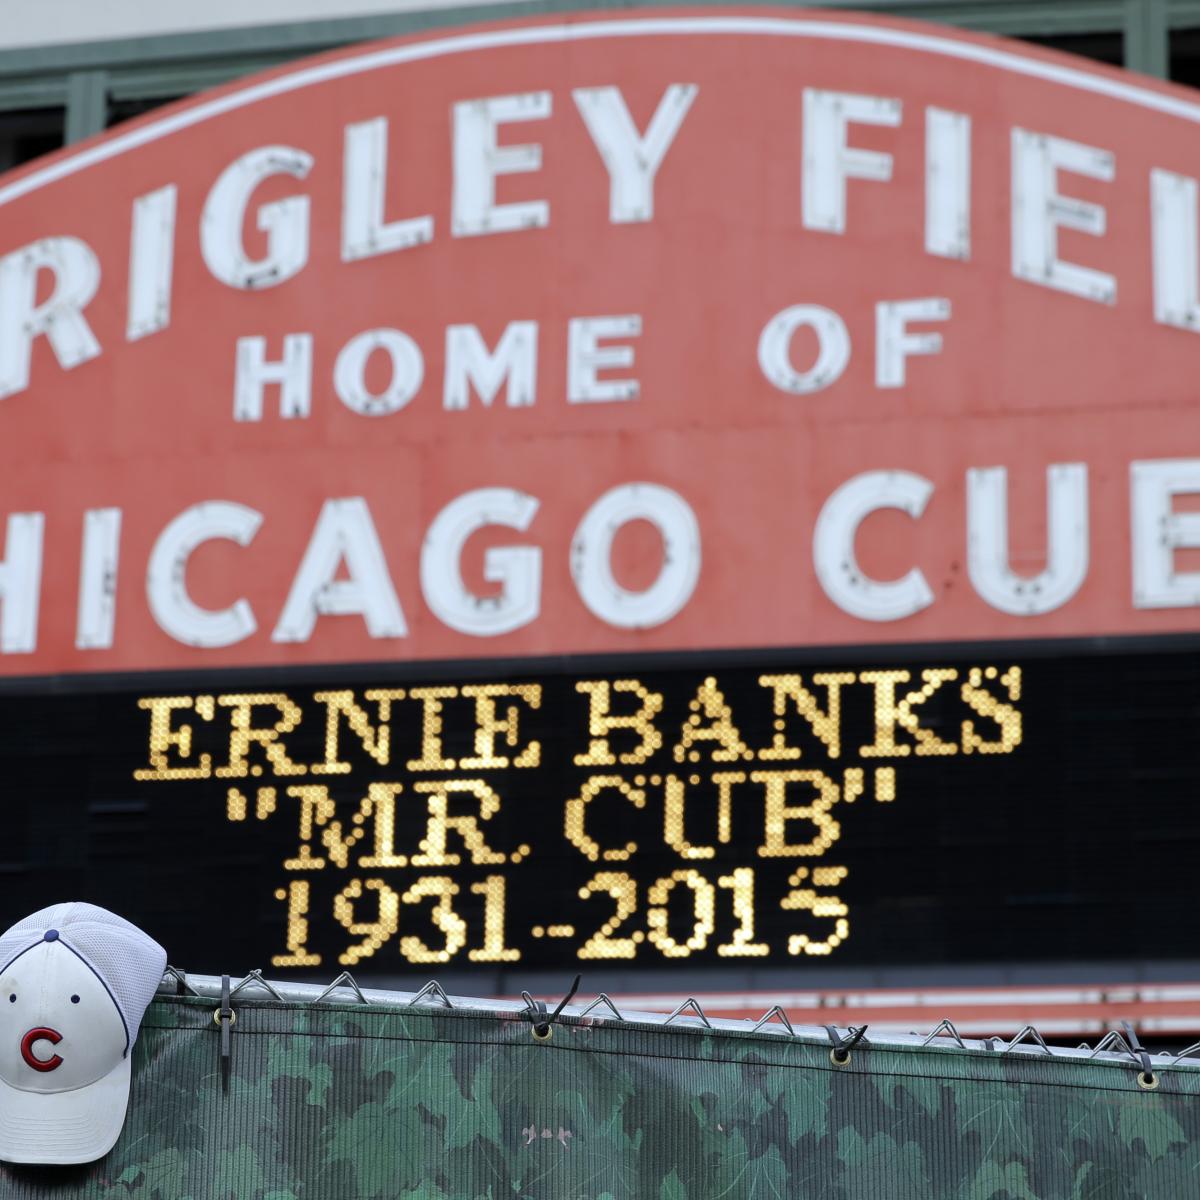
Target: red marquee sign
[{"x": 647, "y": 332}]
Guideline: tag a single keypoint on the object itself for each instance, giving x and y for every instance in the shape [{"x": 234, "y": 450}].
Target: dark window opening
[
  {"x": 26, "y": 133},
  {"x": 124, "y": 110},
  {"x": 1099, "y": 47},
  {"x": 1185, "y": 57}
]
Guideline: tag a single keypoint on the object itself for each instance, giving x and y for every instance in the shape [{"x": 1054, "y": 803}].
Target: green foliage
[
  {"x": 237, "y": 1173},
  {"x": 425, "y": 1104},
  {"x": 748, "y": 1176},
  {"x": 994, "y": 1180},
  {"x": 1155, "y": 1128},
  {"x": 879, "y": 1167},
  {"x": 672, "y": 1188},
  {"x": 159, "y": 1176}
]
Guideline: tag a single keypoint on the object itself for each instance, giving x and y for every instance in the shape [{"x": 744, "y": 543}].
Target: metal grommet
[
  {"x": 839, "y": 1059},
  {"x": 1147, "y": 1081},
  {"x": 217, "y": 1018},
  {"x": 543, "y": 1034}
]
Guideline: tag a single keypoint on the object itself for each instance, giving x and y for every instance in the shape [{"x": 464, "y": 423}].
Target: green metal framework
[{"x": 85, "y": 78}]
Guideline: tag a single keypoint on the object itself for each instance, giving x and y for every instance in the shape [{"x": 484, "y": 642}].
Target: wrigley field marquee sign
[
  {"x": 464, "y": 375},
  {"x": 604, "y": 334}
]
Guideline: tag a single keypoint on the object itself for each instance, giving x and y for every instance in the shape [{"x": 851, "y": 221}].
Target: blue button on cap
[{"x": 51, "y": 935}]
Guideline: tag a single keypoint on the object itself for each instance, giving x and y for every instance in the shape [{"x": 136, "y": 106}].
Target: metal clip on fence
[
  {"x": 603, "y": 1001},
  {"x": 946, "y": 1029},
  {"x": 535, "y": 1010},
  {"x": 257, "y": 977},
  {"x": 180, "y": 980},
  {"x": 681, "y": 1010},
  {"x": 344, "y": 980},
  {"x": 1186, "y": 1052},
  {"x": 225, "y": 1018},
  {"x": 432, "y": 993},
  {"x": 777, "y": 1018},
  {"x": 1146, "y": 1080},
  {"x": 839, "y": 1055},
  {"x": 1028, "y": 1037}
]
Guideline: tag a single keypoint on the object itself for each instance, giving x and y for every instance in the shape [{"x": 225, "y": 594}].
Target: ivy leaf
[
  {"x": 766, "y": 1176},
  {"x": 879, "y": 1167},
  {"x": 359, "y": 1139},
  {"x": 238, "y": 1174},
  {"x": 1156, "y": 1129},
  {"x": 672, "y": 1188},
  {"x": 996, "y": 1114},
  {"x": 476, "y": 1116},
  {"x": 741, "y": 1176},
  {"x": 926, "y": 1092},
  {"x": 161, "y": 1175},
  {"x": 992, "y": 1179},
  {"x": 1096, "y": 1183},
  {"x": 294, "y": 1058},
  {"x": 805, "y": 1099}
]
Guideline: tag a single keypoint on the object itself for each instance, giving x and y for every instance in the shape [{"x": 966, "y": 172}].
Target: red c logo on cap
[{"x": 41, "y": 1034}]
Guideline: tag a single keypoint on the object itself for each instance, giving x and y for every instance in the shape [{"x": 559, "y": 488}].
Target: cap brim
[{"x": 59, "y": 1128}]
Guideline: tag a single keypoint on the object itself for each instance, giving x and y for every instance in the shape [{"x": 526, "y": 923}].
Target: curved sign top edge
[
  {"x": 973, "y": 47},
  {"x": 828, "y": 346}
]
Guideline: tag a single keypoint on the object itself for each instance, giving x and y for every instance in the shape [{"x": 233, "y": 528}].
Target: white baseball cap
[{"x": 75, "y": 981}]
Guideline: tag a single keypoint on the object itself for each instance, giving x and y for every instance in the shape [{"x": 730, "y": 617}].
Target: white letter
[
  {"x": 1038, "y": 211},
  {"x": 60, "y": 316},
  {"x": 893, "y": 342},
  {"x": 1176, "y": 249},
  {"x": 947, "y": 183},
  {"x": 1158, "y": 532},
  {"x": 344, "y": 532},
  {"x": 1067, "y": 536},
  {"x": 775, "y": 343},
  {"x": 285, "y": 222},
  {"x": 21, "y": 583},
  {"x": 585, "y": 356},
  {"x": 478, "y": 159},
  {"x": 833, "y": 546},
  {"x": 632, "y": 160},
  {"x": 98, "y": 579},
  {"x": 350, "y": 372},
  {"x": 518, "y": 569},
  {"x": 364, "y": 188},
  {"x": 829, "y": 162},
  {"x": 166, "y": 577},
  {"x": 469, "y": 362},
  {"x": 293, "y": 373},
  {"x": 151, "y": 262},
  {"x": 591, "y": 554}
]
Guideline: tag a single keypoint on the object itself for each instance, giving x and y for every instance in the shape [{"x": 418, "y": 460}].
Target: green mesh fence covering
[{"x": 338, "y": 1102}]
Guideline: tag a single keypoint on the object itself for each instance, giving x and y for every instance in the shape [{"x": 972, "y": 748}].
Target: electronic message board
[{"x": 933, "y": 808}]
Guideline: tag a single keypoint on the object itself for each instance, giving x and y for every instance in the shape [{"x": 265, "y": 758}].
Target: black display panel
[{"x": 953, "y": 809}]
